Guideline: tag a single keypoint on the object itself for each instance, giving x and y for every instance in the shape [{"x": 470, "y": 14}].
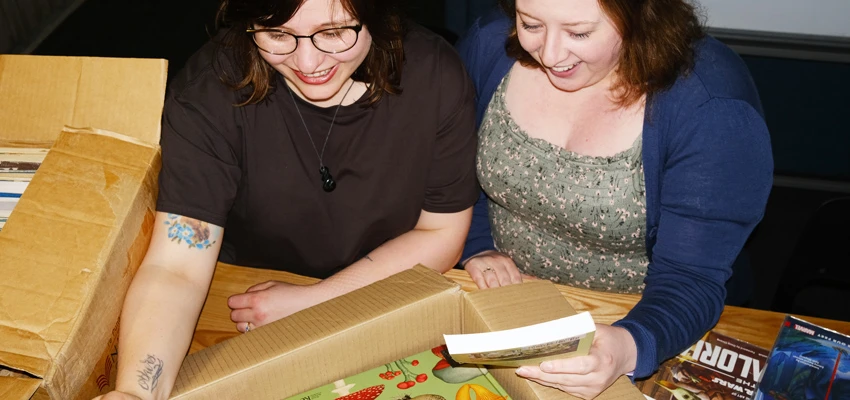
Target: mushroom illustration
[
  {"x": 341, "y": 389},
  {"x": 446, "y": 373},
  {"x": 370, "y": 393}
]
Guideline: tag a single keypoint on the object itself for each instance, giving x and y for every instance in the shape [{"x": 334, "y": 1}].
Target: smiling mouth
[
  {"x": 318, "y": 74},
  {"x": 565, "y": 69}
]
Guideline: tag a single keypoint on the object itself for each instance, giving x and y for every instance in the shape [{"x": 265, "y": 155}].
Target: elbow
[{"x": 453, "y": 261}]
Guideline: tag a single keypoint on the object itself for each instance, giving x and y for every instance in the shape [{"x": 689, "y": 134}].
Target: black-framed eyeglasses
[{"x": 331, "y": 40}]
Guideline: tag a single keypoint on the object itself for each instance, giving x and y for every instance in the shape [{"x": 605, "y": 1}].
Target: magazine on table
[
  {"x": 807, "y": 361},
  {"x": 717, "y": 367}
]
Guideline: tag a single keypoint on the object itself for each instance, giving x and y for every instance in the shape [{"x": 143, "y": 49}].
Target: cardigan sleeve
[
  {"x": 717, "y": 172},
  {"x": 472, "y": 53},
  {"x": 480, "y": 237}
]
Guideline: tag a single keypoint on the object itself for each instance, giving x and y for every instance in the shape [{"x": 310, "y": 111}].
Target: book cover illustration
[
  {"x": 717, "y": 367},
  {"x": 807, "y": 362},
  {"x": 529, "y": 345},
  {"x": 423, "y": 376}
]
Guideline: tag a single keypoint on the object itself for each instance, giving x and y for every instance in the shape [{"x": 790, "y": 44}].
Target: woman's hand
[
  {"x": 116, "y": 395},
  {"x": 270, "y": 301},
  {"x": 613, "y": 354},
  {"x": 491, "y": 269}
]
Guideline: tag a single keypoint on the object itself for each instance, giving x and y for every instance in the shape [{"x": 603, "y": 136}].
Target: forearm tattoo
[
  {"x": 191, "y": 232},
  {"x": 148, "y": 375}
]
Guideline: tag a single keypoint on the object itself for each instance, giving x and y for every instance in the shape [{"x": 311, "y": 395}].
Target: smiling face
[
  {"x": 573, "y": 40},
  {"x": 316, "y": 76}
]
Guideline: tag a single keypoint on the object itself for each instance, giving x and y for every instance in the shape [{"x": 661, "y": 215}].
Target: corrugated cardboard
[
  {"x": 382, "y": 322},
  {"x": 70, "y": 249}
]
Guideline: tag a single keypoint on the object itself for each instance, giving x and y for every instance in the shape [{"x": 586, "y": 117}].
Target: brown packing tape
[
  {"x": 42, "y": 94},
  {"x": 75, "y": 240},
  {"x": 13, "y": 388},
  {"x": 380, "y": 323}
]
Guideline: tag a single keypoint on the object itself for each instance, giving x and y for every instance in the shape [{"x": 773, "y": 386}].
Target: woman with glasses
[
  {"x": 621, "y": 150},
  {"x": 327, "y": 138}
]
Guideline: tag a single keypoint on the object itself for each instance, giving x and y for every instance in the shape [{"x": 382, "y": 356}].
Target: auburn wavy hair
[
  {"x": 381, "y": 70},
  {"x": 658, "y": 44}
]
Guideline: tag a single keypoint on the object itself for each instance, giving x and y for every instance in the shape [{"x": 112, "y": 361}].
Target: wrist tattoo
[
  {"x": 369, "y": 258},
  {"x": 148, "y": 375}
]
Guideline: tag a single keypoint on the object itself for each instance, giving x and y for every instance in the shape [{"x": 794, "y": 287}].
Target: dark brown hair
[
  {"x": 658, "y": 38},
  {"x": 381, "y": 70}
]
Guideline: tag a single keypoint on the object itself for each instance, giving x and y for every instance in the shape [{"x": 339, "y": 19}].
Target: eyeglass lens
[{"x": 333, "y": 40}]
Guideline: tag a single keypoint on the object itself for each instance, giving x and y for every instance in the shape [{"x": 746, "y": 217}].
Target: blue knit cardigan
[{"x": 708, "y": 171}]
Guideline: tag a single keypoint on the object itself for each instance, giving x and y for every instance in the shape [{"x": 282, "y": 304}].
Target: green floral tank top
[{"x": 573, "y": 219}]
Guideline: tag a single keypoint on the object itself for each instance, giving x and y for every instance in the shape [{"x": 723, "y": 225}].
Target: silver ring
[{"x": 247, "y": 327}]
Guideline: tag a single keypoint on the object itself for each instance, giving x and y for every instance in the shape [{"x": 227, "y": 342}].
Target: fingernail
[
  {"x": 522, "y": 371},
  {"x": 546, "y": 366}
]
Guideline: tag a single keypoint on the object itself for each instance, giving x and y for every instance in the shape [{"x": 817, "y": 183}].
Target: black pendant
[{"x": 328, "y": 182}]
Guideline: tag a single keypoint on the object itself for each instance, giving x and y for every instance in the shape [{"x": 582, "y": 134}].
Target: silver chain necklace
[{"x": 328, "y": 182}]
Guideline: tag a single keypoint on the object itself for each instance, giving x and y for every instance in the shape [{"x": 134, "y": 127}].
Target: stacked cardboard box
[{"x": 79, "y": 232}]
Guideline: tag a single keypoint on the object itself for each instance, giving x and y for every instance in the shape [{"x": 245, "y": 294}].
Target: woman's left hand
[
  {"x": 613, "y": 354},
  {"x": 270, "y": 301}
]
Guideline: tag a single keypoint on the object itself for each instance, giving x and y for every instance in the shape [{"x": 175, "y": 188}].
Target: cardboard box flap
[
  {"x": 41, "y": 94},
  {"x": 13, "y": 388},
  {"x": 282, "y": 350},
  {"x": 530, "y": 303},
  {"x": 55, "y": 246}
]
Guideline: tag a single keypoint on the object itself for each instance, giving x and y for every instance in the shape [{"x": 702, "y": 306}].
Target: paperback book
[
  {"x": 807, "y": 361},
  {"x": 717, "y": 367},
  {"x": 423, "y": 376},
  {"x": 529, "y": 345}
]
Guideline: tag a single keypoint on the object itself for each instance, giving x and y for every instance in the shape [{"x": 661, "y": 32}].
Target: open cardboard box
[
  {"x": 74, "y": 241},
  {"x": 390, "y": 319}
]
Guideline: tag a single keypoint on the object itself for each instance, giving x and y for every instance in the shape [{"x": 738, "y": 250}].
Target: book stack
[
  {"x": 17, "y": 167},
  {"x": 717, "y": 367}
]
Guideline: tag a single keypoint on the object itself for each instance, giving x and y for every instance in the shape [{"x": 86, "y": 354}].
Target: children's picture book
[
  {"x": 717, "y": 367},
  {"x": 529, "y": 345},
  {"x": 807, "y": 361},
  {"x": 423, "y": 376}
]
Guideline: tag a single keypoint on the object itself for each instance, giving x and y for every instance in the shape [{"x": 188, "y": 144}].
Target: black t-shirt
[{"x": 253, "y": 170}]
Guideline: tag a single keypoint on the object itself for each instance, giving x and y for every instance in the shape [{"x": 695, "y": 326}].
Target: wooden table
[{"x": 755, "y": 326}]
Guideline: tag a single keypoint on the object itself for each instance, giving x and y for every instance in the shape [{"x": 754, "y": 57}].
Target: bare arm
[
  {"x": 163, "y": 304},
  {"x": 436, "y": 241}
]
